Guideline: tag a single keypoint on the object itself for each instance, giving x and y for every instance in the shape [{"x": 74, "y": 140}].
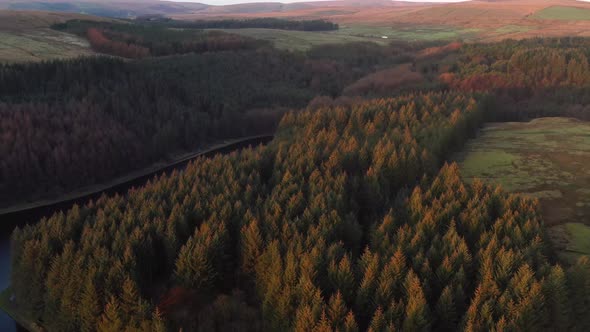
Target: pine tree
[
  {"x": 111, "y": 320},
  {"x": 342, "y": 278},
  {"x": 158, "y": 323},
  {"x": 251, "y": 246},
  {"x": 416, "y": 318},
  {"x": 378, "y": 322},
  {"x": 337, "y": 311},
  {"x": 579, "y": 284},
  {"x": 89, "y": 306},
  {"x": 304, "y": 319},
  {"x": 350, "y": 323},
  {"x": 130, "y": 299},
  {"x": 323, "y": 325},
  {"x": 557, "y": 299},
  {"x": 445, "y": 311}
]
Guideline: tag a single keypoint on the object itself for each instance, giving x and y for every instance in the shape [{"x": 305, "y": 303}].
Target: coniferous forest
[{"x": 351, "y": 219}]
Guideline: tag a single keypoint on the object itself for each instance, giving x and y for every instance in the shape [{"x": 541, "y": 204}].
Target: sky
[{"x": 229, "y": 2}]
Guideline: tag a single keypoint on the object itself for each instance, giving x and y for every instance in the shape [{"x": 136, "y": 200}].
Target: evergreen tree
[
  {"x": 90, "y": 308},
  {"x": 110, "y": 321}
]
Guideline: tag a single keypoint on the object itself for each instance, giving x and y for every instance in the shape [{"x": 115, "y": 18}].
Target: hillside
[
  {"x": 495, "y": 20},
  {"x": 354, "y": 217},
  {"x": 26, "y": 36}
]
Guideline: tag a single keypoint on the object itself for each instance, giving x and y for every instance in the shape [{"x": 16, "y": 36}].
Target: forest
[
  {"x": 67, "y": 124},
  {"x": 261, "y": 23},
  {"x": 351, "y": 219},
  {"x": 344, "y": 222},
  {"x": 137, "y": 41},
  {"x": 79, "y": 122}
]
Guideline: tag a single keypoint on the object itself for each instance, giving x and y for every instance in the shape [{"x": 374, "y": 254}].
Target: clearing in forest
[
  {"x": 27, "y": 36},
  {"x": 563, "y": 13},
  {"x": 546, "y": 158},
  {"x": 304, "y": 40}
]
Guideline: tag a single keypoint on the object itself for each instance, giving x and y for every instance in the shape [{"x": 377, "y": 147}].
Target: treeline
[
  {"x": 157, "y": 107},
  {"x": 261, "y": 23},
  {"x": 141, "y": 40},
  {"x": 102, "y": 44},
  {"x": 71, "y": 123},
  {"x": 162, "y": 106},
  {"x": 529, "y": 64},
  {"x": 531, "y": 78},
  {"x": 343, "y": 223},
  {"x": 349, "y": 220}
]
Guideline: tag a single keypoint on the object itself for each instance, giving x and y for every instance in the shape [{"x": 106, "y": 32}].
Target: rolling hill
[
  {"x": 495, "y": 20},
  {"x": 26, "y": 36},
  {"x": 482, "y": 20}
]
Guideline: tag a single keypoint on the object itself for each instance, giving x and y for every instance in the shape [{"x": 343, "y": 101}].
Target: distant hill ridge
[
  {"x": 497, "y": 19},
  {"x": 137, "y": 7}
]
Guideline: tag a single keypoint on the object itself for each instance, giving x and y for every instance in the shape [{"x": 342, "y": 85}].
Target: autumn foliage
[
  {"x": 385, "y": 81},
  {"x": 348, "y": 221},
  {"x": 351, "y": 219},
  {"x": 102, "y": 44},
  {"x": 527, "y": 65}
]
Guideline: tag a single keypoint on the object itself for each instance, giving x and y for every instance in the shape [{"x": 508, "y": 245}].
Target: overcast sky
[{"x": 227, "y": 2}]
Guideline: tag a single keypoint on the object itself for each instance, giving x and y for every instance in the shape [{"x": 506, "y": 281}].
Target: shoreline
[
  {"x": 9, "y": 309},
  {"x": 130, "y": 176}
]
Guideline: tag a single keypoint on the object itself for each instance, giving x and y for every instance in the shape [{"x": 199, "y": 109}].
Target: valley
[
  {"x": 321, "y": 166},
  {"x": 27, "y": 36}
]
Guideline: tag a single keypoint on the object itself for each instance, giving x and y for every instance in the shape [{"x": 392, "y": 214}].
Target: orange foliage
[
  {"x": 447, "y": 78},
  {"x": 173, "y": 298},
  {"x": 101, "y": 43},
  {"x": 432, "y": 51},
  {"x": 384, "y": 81},
  {"x": 479, "y": 82}
]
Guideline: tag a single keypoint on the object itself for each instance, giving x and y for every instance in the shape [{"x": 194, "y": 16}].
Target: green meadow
[
  {"x": 563, "y": 13},
  {"x": 39, "y": 45},
  {"x": 547, "y": 159},
  {"x": 304, "y": 40}
]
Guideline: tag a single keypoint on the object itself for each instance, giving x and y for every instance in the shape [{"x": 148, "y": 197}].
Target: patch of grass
[
  {"x": 563, "y": 13},
  {"x": 546, "y": 194},
  {"x": 300, "y": 40},
  {"x": 486, "y": 163},
  {"x": 547, "y": 159},
  {"x": 39, "y": 45},
  {"x": 579, "y": 238},
  {"x": 322, "y": 13},
  {"x": 511, "y": 28},
  {"x": 420, "y": 33},
  {"x": 304, "y": 40}
]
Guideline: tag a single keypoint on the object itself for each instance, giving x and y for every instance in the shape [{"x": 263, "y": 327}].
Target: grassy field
[
  {"x": 300, "y": 40},
  {"x": 26, "y": 36},
  {"x": 303, "y": 40},
  {"x": 408, "y": 32},
  {"x": 511, "y": 28},
  {"x": 563, "y": 13},
  {"x": 548, "y": 159},
  {"x": 40, "y": 44}
]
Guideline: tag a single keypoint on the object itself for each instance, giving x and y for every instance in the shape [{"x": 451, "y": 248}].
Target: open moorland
[
  {"x": 27, "y": 36},
  {"x": 488, "y": 20},
  {"x": 304, "y": 40},
  {"x": 548, "y": 159}
]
